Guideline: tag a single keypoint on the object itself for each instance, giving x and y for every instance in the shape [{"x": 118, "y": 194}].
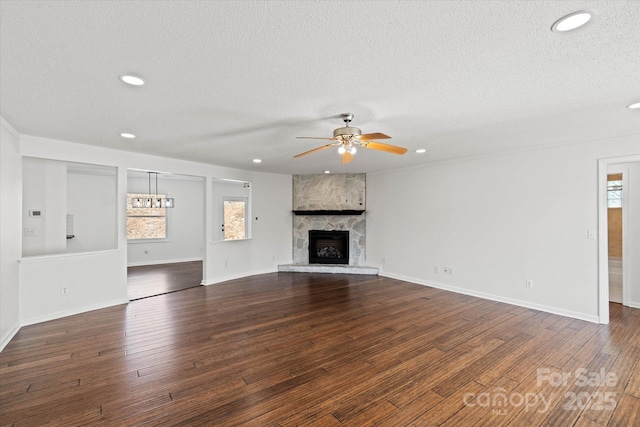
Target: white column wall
[{"x": 10, "y": 231}]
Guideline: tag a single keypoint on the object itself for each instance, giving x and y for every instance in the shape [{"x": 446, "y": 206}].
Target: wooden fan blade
[
  {"x": 371, "y": 136},
  {"x": 347, "y": 157},
  {"x": 312, "y": 137},
  {"x": 385, "y": 147},
  {"x": 314, "y": 150}
]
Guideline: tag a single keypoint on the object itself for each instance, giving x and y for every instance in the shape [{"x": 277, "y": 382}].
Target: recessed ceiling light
[
  {"x": 132, "y": 80},
  {"x": 127, "y": 135},
  {"x": 257, "y": 161},
  {"x": 572, "y": 21},
  {"x": 634, "y": 106},
  {"x": 421, "y": 150},
  {"x": 327, "y": 171}
]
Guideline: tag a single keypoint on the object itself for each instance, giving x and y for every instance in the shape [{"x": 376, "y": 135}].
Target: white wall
[
  {"x": 91, "y": 199},
  {"x": 99, "y": 279},
  {"x": 633, "y": 245},
  {"x": 10, "y": 231},
  {"x": 271, "y": 226},
  {"x": 44, "y": 188},
  {"x": 498, "y": 222},
  {"x": 272, "y": 221},
  {"x": 185, "y": 223}
]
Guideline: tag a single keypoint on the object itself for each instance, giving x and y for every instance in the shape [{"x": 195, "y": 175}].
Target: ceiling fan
[{"x": 347, "y": 138}]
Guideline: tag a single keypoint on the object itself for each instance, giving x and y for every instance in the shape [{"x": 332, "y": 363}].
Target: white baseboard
[
  {"x": 65, "y": 313},
  {"x": 492, "y": 297},
  {"x": 6, "y": 339},
  {"x": 162, "y": 261},
  {"x": 633, "y": 304}
]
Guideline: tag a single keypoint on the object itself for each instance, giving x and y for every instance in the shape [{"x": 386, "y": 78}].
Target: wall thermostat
[{"x": 36, "y": 213}]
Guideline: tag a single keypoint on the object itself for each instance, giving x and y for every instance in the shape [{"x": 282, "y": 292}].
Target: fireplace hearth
[{"x": 328, "y": 247}]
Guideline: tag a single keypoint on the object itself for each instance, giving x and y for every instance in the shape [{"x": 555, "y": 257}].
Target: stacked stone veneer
[{"x": 329, "y": 192}]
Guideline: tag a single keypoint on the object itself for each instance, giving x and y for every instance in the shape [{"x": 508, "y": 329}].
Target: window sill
[
  {"x": 232, "y": 240},
  {"x": 137, "y": 241}
]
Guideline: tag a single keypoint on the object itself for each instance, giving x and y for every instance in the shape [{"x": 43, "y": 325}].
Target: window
[
  {"x": 614, "y": 194},
  {"x": 234, "y": 218},
  {"x": 145, "y": 223}
]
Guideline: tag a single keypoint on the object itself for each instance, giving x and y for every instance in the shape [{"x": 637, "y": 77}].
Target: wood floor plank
[
  {"x": 285, "y": 349},
  {"x": 478, "y": 406},
  {"x": 627, "y": 413},
  {"x": 623, "y": 368},
  {"x": 569, "y": 409}
]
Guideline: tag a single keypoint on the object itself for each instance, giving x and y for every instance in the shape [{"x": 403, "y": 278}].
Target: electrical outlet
[
  {"x": 64, "y": 291},
  {"x": 450, "y": 271},
  {"x": 30, "y": 232},
  {"x": 528, "y": 284},
  {"x": 384, "y": 260},
  {"x": 436, "y": 269},
  {"x": 226, "y": 263}
]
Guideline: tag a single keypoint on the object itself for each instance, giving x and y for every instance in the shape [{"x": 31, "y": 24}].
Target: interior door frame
[{"x": 603, "y": 238}]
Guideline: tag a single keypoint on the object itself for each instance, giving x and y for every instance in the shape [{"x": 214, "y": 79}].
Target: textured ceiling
[{"x": 231, "y": 81}]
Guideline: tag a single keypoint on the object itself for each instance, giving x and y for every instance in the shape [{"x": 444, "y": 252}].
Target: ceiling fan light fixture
[
  {"x": 572, "y": 21},
  {"x": 342, "y": 149},
  {"x": 132, "y": 80}
]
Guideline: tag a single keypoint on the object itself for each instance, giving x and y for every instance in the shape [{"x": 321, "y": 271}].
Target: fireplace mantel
[{"x": 329, "y": 212}]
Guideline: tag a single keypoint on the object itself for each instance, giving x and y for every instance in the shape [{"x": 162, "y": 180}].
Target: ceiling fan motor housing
[{"x": 346, "y": 132}]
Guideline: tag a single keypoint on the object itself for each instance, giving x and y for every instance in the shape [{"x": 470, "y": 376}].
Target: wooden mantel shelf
[{"x": 330, "y": 212}]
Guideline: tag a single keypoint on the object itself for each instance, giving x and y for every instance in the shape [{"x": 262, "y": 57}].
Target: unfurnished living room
[{"x": 320, "y": 213}]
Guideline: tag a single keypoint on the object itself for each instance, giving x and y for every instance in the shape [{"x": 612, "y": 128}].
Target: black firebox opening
[{"x": 328, "y": 247}]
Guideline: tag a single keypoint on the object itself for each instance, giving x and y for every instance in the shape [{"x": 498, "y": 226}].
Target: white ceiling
[{"x": 231, "y": 81}]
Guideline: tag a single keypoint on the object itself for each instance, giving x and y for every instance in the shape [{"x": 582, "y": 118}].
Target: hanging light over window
[{"x": 152, "y": 200}]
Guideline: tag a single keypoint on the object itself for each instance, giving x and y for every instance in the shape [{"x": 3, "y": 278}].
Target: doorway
[
  {"x": 629, "y": 168},
  {"x": 165, "y": 241}
]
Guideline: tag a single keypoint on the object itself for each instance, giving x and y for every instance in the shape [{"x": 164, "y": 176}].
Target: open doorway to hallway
[{"x": 629, "y": 168}]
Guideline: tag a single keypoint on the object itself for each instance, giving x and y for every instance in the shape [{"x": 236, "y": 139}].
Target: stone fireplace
[{"x": 333, "y": 202}]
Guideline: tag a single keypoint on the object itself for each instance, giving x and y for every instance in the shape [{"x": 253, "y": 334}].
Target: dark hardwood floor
[
  {"x": 151, "y": 280},
  {"x": 295, "y": 349}
]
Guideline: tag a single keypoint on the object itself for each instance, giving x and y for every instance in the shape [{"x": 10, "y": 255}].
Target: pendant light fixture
[{"x": 152, "y": 200}]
